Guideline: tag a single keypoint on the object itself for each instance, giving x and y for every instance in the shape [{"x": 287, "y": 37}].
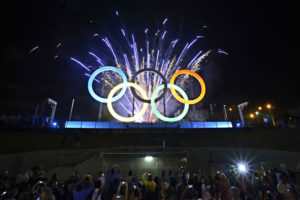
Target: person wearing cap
[{"x": 150, "y": 186}]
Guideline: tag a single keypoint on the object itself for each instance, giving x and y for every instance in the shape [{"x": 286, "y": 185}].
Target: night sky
[{"x": 261, "y": 37}]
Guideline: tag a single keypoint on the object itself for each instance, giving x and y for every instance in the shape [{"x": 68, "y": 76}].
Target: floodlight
[
  {"x": 242, "y": 168},
  {"x": 148, "y": 158}
]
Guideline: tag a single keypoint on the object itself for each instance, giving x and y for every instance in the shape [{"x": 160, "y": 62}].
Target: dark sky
[{"x": 261, "y": 37}]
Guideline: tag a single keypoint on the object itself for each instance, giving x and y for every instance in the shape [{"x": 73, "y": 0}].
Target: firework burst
[{"x": 159, "y": 54}]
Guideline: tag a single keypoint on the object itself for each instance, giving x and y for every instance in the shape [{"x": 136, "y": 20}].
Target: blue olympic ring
[{"x": 95, "y": 73}]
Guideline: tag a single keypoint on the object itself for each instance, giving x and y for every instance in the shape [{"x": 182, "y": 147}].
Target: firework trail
[
  {"x": 157, "y": 52},
  {"x": 58, "y": 45},
  {"x": 33, "y": 49}
]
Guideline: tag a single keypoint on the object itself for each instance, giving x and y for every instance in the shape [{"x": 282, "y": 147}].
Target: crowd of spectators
[{"x": 231, "y": 183}]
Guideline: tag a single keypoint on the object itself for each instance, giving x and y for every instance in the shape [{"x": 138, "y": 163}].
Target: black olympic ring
[{"x": 146, "y": 100}]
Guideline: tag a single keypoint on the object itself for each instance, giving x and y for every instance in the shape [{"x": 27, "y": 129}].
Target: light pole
[
  {"x": 35, "y": 113},
  {"x": 53, "y": 105},
  {"x": 100, "y": 112},
  {"x": 269, "y": 106},
  {"x": 225, "y": 113},
  {"x": 71, "y": 110},
  {"x": 211, "y": 110},
  {"x": 241, "y": 108},
  {"x": 100, "y": 106}
]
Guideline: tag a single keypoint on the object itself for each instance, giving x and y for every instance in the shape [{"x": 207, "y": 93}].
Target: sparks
[
  {"x": 220, "y": 51},
  {"x": 81, "y": 64},
  {"x": 165, "y": 21},
  {"x": 157, "y": 51},
  {"x": 33, "y": 49}
]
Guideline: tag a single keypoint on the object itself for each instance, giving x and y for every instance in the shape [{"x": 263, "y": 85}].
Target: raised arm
[{"x": 143, "y": 178}]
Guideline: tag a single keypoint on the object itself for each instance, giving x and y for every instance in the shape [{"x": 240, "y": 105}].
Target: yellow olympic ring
[
  {"x": 176, "y": 96},
  {"x": 117, "y": 116}
]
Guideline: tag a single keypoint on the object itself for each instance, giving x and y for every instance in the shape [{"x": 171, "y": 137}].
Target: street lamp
[
  {"x": 230, "y": 109},
  {"x": 256, "y": 112},
  {"x": 259, "y": 108},
  {"x": 269, "y": 106},
  {"x": 251, "y": 115}
]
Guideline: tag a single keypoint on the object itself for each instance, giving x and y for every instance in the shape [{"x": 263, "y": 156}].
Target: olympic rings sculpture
[{"x": 111, "y": 98}]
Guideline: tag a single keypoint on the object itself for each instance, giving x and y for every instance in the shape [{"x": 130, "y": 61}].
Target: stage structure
[{"x": 126, "y": 125}]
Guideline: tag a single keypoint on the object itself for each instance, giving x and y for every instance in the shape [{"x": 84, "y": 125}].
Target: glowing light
[
  {"x": 259, "y": 108},
  {"x": 251, "y": 115},
  {"x": 203, "y": 89},
  {"x": 162, "y": 117},
  {"x": 117, "y": 116},
  {"x": 230, "y": 109},
  {"x": 95, "y": 73},
  {"x": 257, "y": 113},
  {"x": 269, "y": 106},
  {"x": 242, "y": 168},
  {"x": 148, "y": 158}
]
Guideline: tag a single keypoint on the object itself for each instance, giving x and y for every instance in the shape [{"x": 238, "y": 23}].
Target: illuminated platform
[{"x": 122, "y": 125}]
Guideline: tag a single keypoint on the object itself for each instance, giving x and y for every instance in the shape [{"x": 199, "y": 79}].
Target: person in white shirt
[{"x": 99, "y": 186}]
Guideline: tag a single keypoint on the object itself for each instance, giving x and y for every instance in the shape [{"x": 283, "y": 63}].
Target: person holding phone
[
  {"x": 150, "y": 186},
  {"x": 38, "y": 188},
  {"x": 285, "y": 189},
  {"x": 134, "y": 192},
  {"x": 205, "y": 189},
  {"x": 83, "y": 187},
  {"x": 122, "y": 192},
  {"x": 112, "y": 180},
  {"x": 97, "y": 192}
]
